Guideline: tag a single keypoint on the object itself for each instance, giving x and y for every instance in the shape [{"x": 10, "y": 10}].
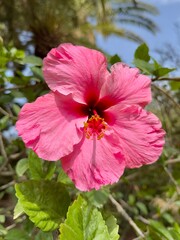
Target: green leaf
[
  {"x": 142, "y": 207},
  {"x": 2, "y": 218},
  {"x": 131, "y": 199},
  {"x": 17, "y": 234},
  {"x": 35, "y": 166},
  {"x": 37, "y": 61},
  {"x": 177, "y": 227},
  {"x": 3, "y": 230},
  {"x": 20, "y": 54},
  {"x": 16, "y": 109},
  {"x": 174, "y": 234},
  {"x": 175, "y": 85},
  {"x": 147, "y": 68},
  {"x": 160, "y": 229},
  {"x": 40, "y": 169},
  {"x": 85, "y": 222},
  {"x": 37, "y": 73},
  {"x": 45, "y": 202},
  {"x": 5, "y": 98},
  {"x": 142, "y": 52},
  {"x": 22, "y": 166},
  {"x": 168, "y": 218},
  {"x": 113, "y": 228},
  {"x": 63, "y": 178},
  {"x": 97, "y": 198},
  {"x": 18, "y": 210},
  {"x": 3, "y": 122},
  {"x": 114, "y": 59},
  {"x": 160, "y": 72},
  {"x": 3, "y": 61},
  {"x": 44, "y": 236}
]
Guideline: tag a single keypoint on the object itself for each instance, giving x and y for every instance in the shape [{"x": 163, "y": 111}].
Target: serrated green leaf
[
  {"x": 84, "y": 222},
  {"x": 45, "y": 202},
  {"x": 40, "y": 169},
  {"x": 63, "y": 178},
  {"x": 48, "y": 169},
  {"x": 35, "y": 166},
  {"x": 114, "y": 59},
  {"x": 37, "y": 61},
  {"x": 17, "y": 234},
  {"x": 18, "y": 210},
  {"x": 142, "y": 52},
  {"x": 113, "y": 228},
  {"x": 160, "y": 229}
]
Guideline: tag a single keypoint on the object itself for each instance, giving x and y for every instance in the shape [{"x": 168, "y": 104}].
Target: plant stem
[
  {"x": 176, "y": 79},
  {"x": 126, "y": 216}
]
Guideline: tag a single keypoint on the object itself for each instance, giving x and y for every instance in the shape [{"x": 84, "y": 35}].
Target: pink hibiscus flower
[{"x": 93, "y": 119}]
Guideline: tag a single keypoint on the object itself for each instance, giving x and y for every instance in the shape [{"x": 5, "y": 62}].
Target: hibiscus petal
[
  {"x": 140, "y": 134},
  {"x": 50, "y": 125},
  {"x": 126, "y": 86},
  {"x": 77, "y": 70},
  {"x": 94, "y": 163}
]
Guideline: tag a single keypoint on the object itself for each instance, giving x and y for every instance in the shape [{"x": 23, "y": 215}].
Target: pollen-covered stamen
[{"x": 95, "y": 126}]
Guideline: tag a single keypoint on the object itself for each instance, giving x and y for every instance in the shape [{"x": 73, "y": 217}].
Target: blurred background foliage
[{"x": 29, "y": 29}]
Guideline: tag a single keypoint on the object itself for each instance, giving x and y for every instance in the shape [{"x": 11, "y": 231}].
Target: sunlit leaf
[
  {"x": 22, "y": 166},
  {"x": 112, "y": 227},
  {"x": 45, "y": 202},
  {"x": 18, "y": 210},
  {"x": 85, "y": 222}
]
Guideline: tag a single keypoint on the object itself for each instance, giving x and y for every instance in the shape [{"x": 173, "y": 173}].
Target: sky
[{"x": 169, "y": 14}]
